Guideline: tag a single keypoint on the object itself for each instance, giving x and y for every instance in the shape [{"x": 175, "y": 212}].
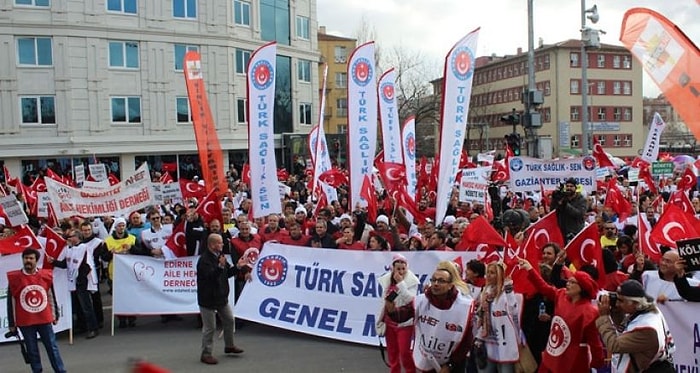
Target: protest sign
[
  {"x": 689, "y": 250},
  {"x": 526, "y": 174}
]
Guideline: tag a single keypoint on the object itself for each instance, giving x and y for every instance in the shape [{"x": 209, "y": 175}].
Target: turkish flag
[
  {"x": 55, "y": 244},
  {"x": 500, "y": 171},
  {"x": 645, "y": 175},
  {"x": 23, "y": 238},
  {"x": 367, "y": 192},
  {"x": 393, "y": 175},
  {"x": 176, "y": 242},
  {"x": 521, "y": 284},
  {"x": 210, "y": 208},
  {"x": 544, "y": 231},
  {"x": 674, "y": 225},
  {"x": 648, "y": 248},
  {"x": 191, "y": 189},
  {"x": 334, "y": 177},
  {"x": 479, "y": 231},
  {"x": 639, "y": 163},
  {"x": 600, "y": 155},
  {"x": 9, "y": 180},
  {"x": 30, "y": 196},
  {"x": 585, "y": 248},
  {"x": 688, "y": 181},
  {"x": 165, "y": 178},
  {"x": 112, "y": 179},
  {"x": 245, "y": 174},
  {"x": 488, "y": 207},
  {"x": 51, "y": 220},
  {"x": 282, "y": 174},
  {"x": 617, "y": 201},
  {"x": 39, "y": 185},
  {"x": 680, "y": 198},
  {"x": 434, "y": 171},
  {"x": 52, "y": 175}
]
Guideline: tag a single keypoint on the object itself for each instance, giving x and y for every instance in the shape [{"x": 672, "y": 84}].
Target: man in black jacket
[
  {"x": 213, "y": 272},
  {"x": 571, "y": 210}
]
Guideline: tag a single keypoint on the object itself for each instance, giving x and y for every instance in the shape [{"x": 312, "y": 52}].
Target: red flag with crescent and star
[
  {"x": 647, "y": 247},
  {"x": 191, "y": 189},
  {"x": 585, "y": 248},
  {"x": 54, "y": 246},
  {"x": 688, "y": 181},
  {"x": 600, "y": 155},
  {"x": 23, "y": 238},
  {"x": 674, "y": 225},
  {"x": 210, "y": 208},
  {"x": 177, "y": 242},
  {"x": 480, "y": 231}
]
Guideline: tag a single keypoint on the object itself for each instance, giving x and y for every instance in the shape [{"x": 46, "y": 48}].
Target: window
[
  {"x": 547, "y": 88},
  {"x": 617, "y": 113},
  {"x": 626, "y": 62},
  {"x": 573, "y": 89},
  {"x": 126, "y": 110},
  {"x": 573, "y": 58},
  {"x": 275, "y": 22},
  {"x": 241, "y": 116},
  {"x": 180, "y": 51},
  {"x": 33, "y": 2},
  {"x": 601, "y": 60},
  {"x": 601, "y": 140},
  {"x": 122, "y": 6},
  {"x": 616, "y": 141},
  {"x": 546, "y": 61},
  {"x": 342, "y": 129},
  {"x": 303, "y": 27},
  {"x": 574, "y": 113},
  {"x": 305, "y": 113},
  {"x": 574, "y": 141},
  {"x": 341, "y": 105},
  {"x": 242, "y": 59},
  {"x": 341, "y": 80},
  {"x": 627, "y": 88},
  {"x": 184, "y": 114},
  {"x": 628, "y": 140},
  {"x": 124, "y": 54},
  {"x": 628, "y": 114},
  {"x": 616, "y": 62},
  {"x": 547, "y": 115},
  {"x": 601, "y": 87},
  {"x": 34, "y": 51},
  {"x": 304, "y": 71},
  {"x": 617, "y": 88},
  {"x": 341, "y": 55},
  {"x": 185, "y": 9},
  {"x": 241, "y": 12},
  {"x": 38, "y": 110},
  {"x": 601, "y": 113}
]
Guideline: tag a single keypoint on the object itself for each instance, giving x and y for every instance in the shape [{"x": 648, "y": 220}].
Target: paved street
[{"x": 175, "y": 346}]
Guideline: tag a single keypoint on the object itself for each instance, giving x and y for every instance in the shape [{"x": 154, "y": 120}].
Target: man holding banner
[{"x": 213, "y": 272}]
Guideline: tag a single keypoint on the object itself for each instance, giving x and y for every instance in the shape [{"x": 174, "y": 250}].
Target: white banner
[
  {"x": 457, "y": 88},
  {"x": 651, "y": 147},
  {"x": 87, "y": 184},
  {"x": 408, "y": 139},
  {"x": 13, "y": 210},
  {"x": 684, "y": 324},
  {"x": 98, "y": 171},
  {"x": 319, "y": 149},
  {"x": 42, "y": 207},
  {"x": 474, "y": 184},
  {"x": 150, "y": 286},
  {"x": 79, "y": 172},
  {"x": 362, "y": 118},
  {"x": 133, "y": 193},
  {"x": 389, "y": 118},
  {"x": 526, "y": 174},
  {"x": 60, "y": 286},
  {"x": 261, "y": 138},
  {"x": 171, "y": 191},
  {"x": 328, "y": 293}
]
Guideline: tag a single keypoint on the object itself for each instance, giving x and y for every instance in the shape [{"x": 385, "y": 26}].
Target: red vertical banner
[
  {"x": 208, "y": 145},
  {"x": 669, "y": 57}
]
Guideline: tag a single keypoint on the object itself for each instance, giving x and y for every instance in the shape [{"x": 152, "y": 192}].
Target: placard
[
  {"x": 98, "y": 171},
  {"x": 689, "y": 250}
]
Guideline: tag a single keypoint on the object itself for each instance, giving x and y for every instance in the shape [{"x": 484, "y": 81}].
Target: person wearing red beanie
[{"x": 573, "y": 336}]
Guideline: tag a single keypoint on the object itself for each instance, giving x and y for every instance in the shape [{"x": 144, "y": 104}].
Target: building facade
[
  {"x": 616, "y": 112},
  {"x": 102, "y": 81}
]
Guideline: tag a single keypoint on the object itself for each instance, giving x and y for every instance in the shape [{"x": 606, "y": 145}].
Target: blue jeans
[{"x": 45, "y": 331}]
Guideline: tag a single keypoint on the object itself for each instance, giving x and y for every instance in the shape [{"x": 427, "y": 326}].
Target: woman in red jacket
[{"x": 573, "y": 336}]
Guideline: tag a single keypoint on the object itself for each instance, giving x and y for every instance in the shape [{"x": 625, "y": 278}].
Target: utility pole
[
  {"x": 532, "y": 98},
  {"x": 589, "y": 38}
]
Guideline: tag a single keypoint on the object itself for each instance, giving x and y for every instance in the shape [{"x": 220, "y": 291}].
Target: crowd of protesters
[{"x": 563, "y": 294}]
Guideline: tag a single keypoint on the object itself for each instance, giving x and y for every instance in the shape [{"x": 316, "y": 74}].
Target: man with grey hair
[{"x": 645, "y": 343}]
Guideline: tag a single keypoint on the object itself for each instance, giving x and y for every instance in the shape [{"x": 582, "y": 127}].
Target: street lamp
[{"x": 590, "y": 38}]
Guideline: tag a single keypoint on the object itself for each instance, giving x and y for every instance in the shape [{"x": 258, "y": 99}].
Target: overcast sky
[{"x": 433, "y": 26}]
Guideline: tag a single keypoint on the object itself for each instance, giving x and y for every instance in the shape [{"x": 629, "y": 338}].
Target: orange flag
[
  {"x": 208, "y": 144},
  {"x": 669, "y": 57}
]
